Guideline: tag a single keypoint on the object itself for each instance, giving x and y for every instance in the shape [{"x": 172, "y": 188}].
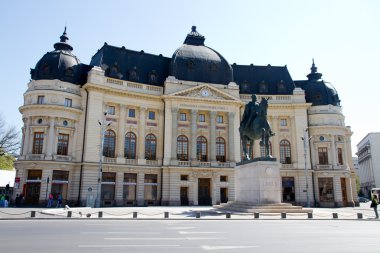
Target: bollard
[
  {"x": 360, "y": 216},
  {"x": 228, "y": 215},
  {"x": 88, "y": 215},
  {"x": 283, "y": 215},
  {"x": 32, "y": 214},
  {"x": 69, "y": 213},
  {"x": 256, "y": 215},
  {"x": 134, "y": 215},
  {"x": 310, "y": 215},
  {"x": 335, "y": 215},
  {"x": 166, "y": 215},
  {"x": 100, "y": 214},
  {"x": 197, "y": 215}
]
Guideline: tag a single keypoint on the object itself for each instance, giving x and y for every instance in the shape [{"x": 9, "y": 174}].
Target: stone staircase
[{"x": 263, "y": 208}]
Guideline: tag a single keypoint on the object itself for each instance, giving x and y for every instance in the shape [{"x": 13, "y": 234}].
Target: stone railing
[
  {"x": 145, "y": 88},
  {"x": 35, "y": 157},
  {"x": 63, "y": 158},
  {"x": 323, "y": 167},
  {"x": 204, "y": 164},
  {"x": 109, "y": 160},
  {"x": 131, "y": 161},
  {"x": 184, "y": 163}
]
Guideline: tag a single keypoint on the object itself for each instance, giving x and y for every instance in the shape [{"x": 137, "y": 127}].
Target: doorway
[
  {"x": 32, "y": 193},
  {"x": 223, "y": 195},
  {"x": 184, "y": 196},
  {"x": 204, "y": 192},
  {"x": 344, "y": 191}
]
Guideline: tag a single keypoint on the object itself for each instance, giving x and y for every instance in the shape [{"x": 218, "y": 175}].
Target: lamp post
[
  {"x": 305, "y": 139},
  {"x": 103, "y": 126}
]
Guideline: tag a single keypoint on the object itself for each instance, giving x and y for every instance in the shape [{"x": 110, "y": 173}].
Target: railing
[
  {"x": 138, "y": 86},
  {"x": 204, "y": 164},
  {"x": 287, "y": 166},
  {"x": 184, "y": 163},
  {"x": 153, "y": 162},
  {"x": 109, "y": 160},
  {"x": 323, "y": 166},
  {"x": 131, "y": 161},
  {"x": 36, "y": 156},
  {"x": 64, "y": 158},
  {"x": 224, "y": 164}
]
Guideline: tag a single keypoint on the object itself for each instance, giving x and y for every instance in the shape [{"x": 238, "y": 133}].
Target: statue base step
[{"x": 244, "y": 207}]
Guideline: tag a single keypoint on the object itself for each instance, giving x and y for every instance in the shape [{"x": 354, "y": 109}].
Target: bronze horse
[{"x": 259, "y": 128}]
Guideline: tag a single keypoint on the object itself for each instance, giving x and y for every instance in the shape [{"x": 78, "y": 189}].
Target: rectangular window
[
  {"x": 150, "y": 187},
  {"x": 41, "y": 100},
  {"x": 68, "y": 102},
  {"x": 340, "y": 156},
  {"x": 326, "y": 189},
  {"x": 223, "y": 179},
  {"x": 322, "y": 155},
  {"x": 34, "y": 174},
  {"x": 131, "y": 113},
  {"x": 219, "y": 119},
  {"x": 152, "y": 115},
  {"x": 283, "y": 122},
  {"x": 60, "y": 175},
  {"x": 184, "y": 177},
  {"x": 129, "y": 188},
  {"x": 38, "y": 142},
  {"x": 63, "y": 144},
  {"x": 111, "y": 110},
  {"x": 202, "y": 118},
  {"x": 109, "y": 177},
  {"x": 182, "y": 116}
]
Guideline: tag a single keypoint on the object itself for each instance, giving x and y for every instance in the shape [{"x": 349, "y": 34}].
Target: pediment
[{"x": 204, "y": 92}]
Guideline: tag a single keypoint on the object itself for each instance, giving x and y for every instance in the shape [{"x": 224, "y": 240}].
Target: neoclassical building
[{"x": 141, "y": 129}]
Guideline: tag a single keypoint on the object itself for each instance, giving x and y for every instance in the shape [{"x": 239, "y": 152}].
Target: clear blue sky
[{"x": 342, "y": 36}]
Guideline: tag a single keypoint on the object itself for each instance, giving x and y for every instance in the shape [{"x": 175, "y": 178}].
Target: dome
[
  {"x": 58, "y": 64},
  {"x": 193, "y": 61},
  {"x": 319, "y": 92}
]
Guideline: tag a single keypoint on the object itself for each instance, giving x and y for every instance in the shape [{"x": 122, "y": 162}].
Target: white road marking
[
  {"x": 121, "y": 233},
  {"x": 194, "y": 232},
  {"x": 161, "y": 238},
  {"x": 180, "y": 228},
  {"x": 206, "y": 247},
  {"x": 127, "y": 245}
]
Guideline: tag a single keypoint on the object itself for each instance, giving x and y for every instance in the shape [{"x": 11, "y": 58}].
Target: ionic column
[
  {"x": 333, "y": 151},
  {"x": 193, "y": 153},
  {"x": 160, "y": 139},
  {"x": 74, "y": 134},
  {"x": 25, "y": 146},
  {"x": 174, "y": 132},
  {"x": 141, "y": 154},
  {"x": 231, "y": 147},
  {"x": 212, "y": 136},
  {"x": 49, "y": 150},
  {"x": 121, "y": 132}
]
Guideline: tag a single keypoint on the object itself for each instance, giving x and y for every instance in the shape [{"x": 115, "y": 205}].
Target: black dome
[
  {"x": 193, "y": 61},
  {"x": 58, "y": 64}
]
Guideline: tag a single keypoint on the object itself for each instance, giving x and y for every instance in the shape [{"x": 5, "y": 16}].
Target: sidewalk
[{"x": 181, "y": 212}]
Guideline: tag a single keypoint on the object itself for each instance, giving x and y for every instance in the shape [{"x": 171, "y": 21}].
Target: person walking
[
  {"x": 59, "y": 201},
  {"x": 374, "y": 204},
  {"x": 50, "y": 200}
]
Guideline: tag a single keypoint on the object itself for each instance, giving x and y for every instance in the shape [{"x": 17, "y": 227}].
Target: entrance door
[
  {"x": 204, "y": 197},
  {"x": 223, "y": 195},
  {"x": 184, "y": 196},
  {"x": 344, "y": 190},
  {"x": 32, "y": 193}
]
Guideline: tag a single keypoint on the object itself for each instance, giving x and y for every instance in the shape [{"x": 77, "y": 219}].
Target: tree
[
  {"x": 9, "y": 139},
  {"x": 6, "y": 162}
]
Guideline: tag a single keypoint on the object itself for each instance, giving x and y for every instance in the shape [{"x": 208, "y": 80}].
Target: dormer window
[
  {"x": 114, "y": 72},
  {"x": 190, "y": 64},
  {"x": 263, "y": 87},
  {"x": 133, "y": 75},
  {"x": 153, "y": 77},
  {"x": 281, "y": 87}
]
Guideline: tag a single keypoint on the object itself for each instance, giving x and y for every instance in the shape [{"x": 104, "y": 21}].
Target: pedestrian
[
  {"x": 59, "y": 203},
  {"x": 374, "y": 204},
  {"x": 2, "y": 200},
  {"x": 6, "y": 201},
  {"x": 17, "y": 200},
  {"x": 50, "y": 200}
]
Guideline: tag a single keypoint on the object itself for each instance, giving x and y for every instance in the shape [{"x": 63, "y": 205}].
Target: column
[
  {"x": 73, "y": 144},
  {"x": 121, "y": 135},
  {"x": 141, "y": 144},
  {"x": 25, "y": 148},
  {"x": 333, "y": 152},
  {"x": 231, "y": 137},
  {"x": 193, "y": 152},
  {"x": 212, "y": 137},
  {"x": 49, "y": 150},
  {"x": 160, "y": 139},
  {"x": 174, "y": 133},
  {"x": 140, "y": 189},
  {"x": 119, "y": 188}
]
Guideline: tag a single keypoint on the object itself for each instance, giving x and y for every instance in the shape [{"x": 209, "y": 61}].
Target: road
[{"x": 189, "y": 236}]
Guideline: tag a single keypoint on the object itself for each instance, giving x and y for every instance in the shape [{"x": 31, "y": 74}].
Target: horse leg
[
  {"x": 251, "y": 142},
  {"x": 244, "y": 143}
]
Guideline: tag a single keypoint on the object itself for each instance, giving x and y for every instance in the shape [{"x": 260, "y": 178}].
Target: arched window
[
  {"x": 202, "y": 149},
  {"x": 262, "y": 150},
  {"x": 182, "y": 148},
  {"x": 220, "y": 149},
  {"x": 130, "y": 146},
  {"x": 285, "y": 152},
  {"x": 150, "y": 147},
  {"x": 109, "y": 143}
]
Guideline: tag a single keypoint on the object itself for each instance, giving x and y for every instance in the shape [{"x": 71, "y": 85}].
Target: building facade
[
  {"x": 140, "y": 129},
  {"x": 369, "y": 166}
]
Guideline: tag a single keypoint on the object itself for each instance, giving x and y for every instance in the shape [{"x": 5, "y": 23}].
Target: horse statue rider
[{"x": 254, "y": 125}]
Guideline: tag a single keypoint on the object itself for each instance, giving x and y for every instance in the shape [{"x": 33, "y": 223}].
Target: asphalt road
[{"x": 29, "y": 236}]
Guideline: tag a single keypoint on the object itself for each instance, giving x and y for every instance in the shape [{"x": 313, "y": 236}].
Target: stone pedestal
[{"x": 258, "y": 183}]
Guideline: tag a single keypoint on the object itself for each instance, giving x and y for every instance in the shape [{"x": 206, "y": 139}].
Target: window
[
  {"x": 38, "y": 142},
  {"x": 262, "y": 150},
  {"x": 150, "y": 187},
  {"x": 340, "y": 156},
  {"x": 326, "y": 190},
  {"x": 263, "y": 87},
  {"x": 288, "y": 190},
  {"x": 202, "y": 149},
  {"x": 150, "y": 147},
  {"x": 285, "y": 152},
  {"x": 184, "y": 177},
  {"x": 129, "y": 187},
  {"x": 322, "y": 156},
  {"x": 152, "y": 115},
  {"x": 34, "y": 174},
  {"x": 111, "y": 110},
  {"x": 41, "y": 100},
  {"x": 182, "y": 116},
  {"x": 131, "y": 113},
  {"x": 109, "y": 144},
  {"x": 130, "y": 146},
  {"x": 202, "y": 118},
  {"x": 108, "y": 187},
  {"x": 220, "y": 149},
  {"x": 60, "y": 175},
  {"x": 182, "y": 148},
  {"x": 283, "y": 122},
  {"x": 68, "y": 102},
  {"x": 219, "y": 119},
  {"x": 223, "y": 179},
  {"x": 63, "y": 144}
]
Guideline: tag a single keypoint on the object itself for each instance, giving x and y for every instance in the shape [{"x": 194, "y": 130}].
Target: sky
[{"x": 342, "y": 36}]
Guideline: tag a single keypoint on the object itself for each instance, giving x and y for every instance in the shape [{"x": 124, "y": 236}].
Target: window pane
[
  {"x": 202, "y": 118},
  {"x": 68, "y": 102},
  {"x": 130, "y": 177},
  {"x": 111, "y": 110},
  {"x": 152, "y": 115},
  {"x": 220, "y": 149},
  {"x": 63, "y": 144},
  {"x": 109, "y": 144},
  {"x": 326, "y": 189},
  {"x": 41, "y": 100},
  {"x": 131, "y": 113},
  {"x": 202, "y": 149},
  {"x": 38, "y": 142},
  {"x": 130, "y": 146},
  {"x": 109, "y": 177},
  {"x": 150, "y": 147},
  {"x": 285, "y": 152},
  {"x": 60, "y": 175},
  {"x": 182, "y": 148}
]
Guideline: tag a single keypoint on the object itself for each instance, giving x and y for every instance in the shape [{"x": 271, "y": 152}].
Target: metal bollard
[
  {"x": 100, "y": 214},
  {"x": 283, "y": 215},
  {"x": 197, "y": 215},
  {"x": 32, "y": 214},
  {"x": 69, "y": 213},
  {"x": 335, "y": 215},
  {"x": 134, "y": 215},
  {"x": 310, "y": 215},
  {"x": 166, "y": 215},
  {"x": 228, "y": 215},
  {"x": 360, "y": 216},
  {"x": 256, "y": 215}
]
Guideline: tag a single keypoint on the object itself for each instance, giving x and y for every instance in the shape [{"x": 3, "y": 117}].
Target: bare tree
[{"x": 9, "y": 139}]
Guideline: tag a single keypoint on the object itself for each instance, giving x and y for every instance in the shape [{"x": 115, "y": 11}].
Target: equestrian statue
[{"x": 254, "y": 125}]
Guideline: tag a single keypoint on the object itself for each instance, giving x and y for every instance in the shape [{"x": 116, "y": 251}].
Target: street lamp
[
  {"x": 305, "y": 139},
  {"x": 103, "y": 127}
]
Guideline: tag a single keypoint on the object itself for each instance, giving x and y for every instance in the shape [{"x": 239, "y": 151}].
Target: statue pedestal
[{"x": 258, "y": 183}]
